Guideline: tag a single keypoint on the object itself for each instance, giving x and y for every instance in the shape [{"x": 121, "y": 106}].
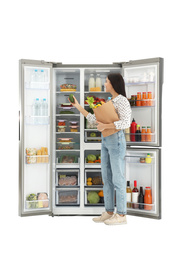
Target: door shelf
[
  {"x": 141, "y": 83},
  {"x": 37, "y": 85},
  {"x": 37, "y": 159},
  {"x": 37, "y": 204},
  {"x": 150, "y": 207},
  {"x": 37, "y": 120}
]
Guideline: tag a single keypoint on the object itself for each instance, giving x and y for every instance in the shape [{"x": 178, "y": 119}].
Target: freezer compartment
[
  {"x": 143, "y": 165},
  {"x": 67, "y": 178},
  {"x": 92, "y": 158},
  {"x": 92, "y": 136},
  {"x": 93, "y": 197},
  {"x": 67, "y": 197},
  {"x": 93, "y": 178},
  {"x": 67, "y": 80}
]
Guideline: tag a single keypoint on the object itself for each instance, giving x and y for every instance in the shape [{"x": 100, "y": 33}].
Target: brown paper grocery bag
[{"x": 107, "y": 114}]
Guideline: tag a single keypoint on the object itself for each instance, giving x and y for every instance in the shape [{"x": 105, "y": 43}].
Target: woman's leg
[
  {"x": 117, "y": 161},
  {"x": 108, "y": 187}
]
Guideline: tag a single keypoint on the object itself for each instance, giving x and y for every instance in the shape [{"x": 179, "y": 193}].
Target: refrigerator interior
[
  {"x": 146, "y": 175},
  {"x": 36, "y": 154},
  {"x": 70, "y": 163},
  {"x": 144, "y": 80}
]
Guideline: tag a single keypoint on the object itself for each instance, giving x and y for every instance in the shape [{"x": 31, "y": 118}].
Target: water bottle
[
  {"x": 36, "y": 111},
  {"x": 42, "y": 76},
  {"x": 108, "y": 99},
  {"x": 44, "y": 111},
  {"x": 34, "y": 76}
]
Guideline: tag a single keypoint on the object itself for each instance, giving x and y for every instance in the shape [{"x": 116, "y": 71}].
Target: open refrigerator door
[
  {"x": 143, "y": 165},
  {"x": 143, "y": 84},
  {"x": 34, "y": 138}
]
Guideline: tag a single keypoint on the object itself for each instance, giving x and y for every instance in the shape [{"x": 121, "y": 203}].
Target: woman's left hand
[{"x": 100, "y": 126}]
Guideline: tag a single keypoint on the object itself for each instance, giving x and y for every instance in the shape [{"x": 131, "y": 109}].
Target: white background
[{"x": 89, "y": 32}]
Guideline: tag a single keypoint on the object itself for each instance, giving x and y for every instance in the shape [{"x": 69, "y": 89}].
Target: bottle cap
[
  {"x": 135, "y": 183},
  {"x": 37, "y": 98},
  {"x": 148, "y": 187},
  {"x": 143, "y": 126},
  {"x": 148, "y": 126},
  {"x": 128, "y": 183},
  {"x": 138, "y": 125},
  {"x": 109, "y": 98}
]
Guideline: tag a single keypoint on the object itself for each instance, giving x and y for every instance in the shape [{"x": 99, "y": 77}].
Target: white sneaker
[
  {"x": 102, "y": 218},
  {"x": 116, "y": 219}
]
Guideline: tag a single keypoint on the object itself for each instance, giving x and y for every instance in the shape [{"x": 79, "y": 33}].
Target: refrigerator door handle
[{"x": 19, "y": 125}]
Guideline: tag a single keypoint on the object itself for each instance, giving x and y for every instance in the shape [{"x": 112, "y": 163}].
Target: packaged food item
[
  {"x": 149, "y": 101},
  {"x": 67, "y": 181},
  {"x": 138, "y": 102},
  {"x": 68, "y": 197},
  {"x": 148, "y": 134},
  {"x": 148, "y": 198},
  {"x": 68, "y": 87},
  {"x": 142, "y": 160},
  {"x": 43, "y": 200},
  {"x": 67, "y": 159},
  {"x": 31, "y": 155},
  {"x": 65, "y": 139},
  {"x": 144, "y": 102},
  {"x": 143, "y": 134},
  {"x": 39, "y": 157},
  {"x": 97, "y": 180},
  {"x": 64, "y": 105}
]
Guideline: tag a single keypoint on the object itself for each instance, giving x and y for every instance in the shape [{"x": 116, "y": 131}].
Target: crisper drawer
[
  {"x": 67, "y": 178},
  {"x": 93, "y": 136},
  {"x": 93, "y": 178},
  {"x": 67, "y": 197},
  {"x": 93, "y": 197}
]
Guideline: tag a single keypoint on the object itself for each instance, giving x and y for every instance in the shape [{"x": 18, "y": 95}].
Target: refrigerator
[{"x": 56, "y": 176}]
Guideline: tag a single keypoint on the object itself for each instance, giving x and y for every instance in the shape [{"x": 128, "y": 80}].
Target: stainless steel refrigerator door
[
  {"x": 146, "y": 175},
  {"x": 35, "y": 133},
  {"x": 145, "y": 76}
]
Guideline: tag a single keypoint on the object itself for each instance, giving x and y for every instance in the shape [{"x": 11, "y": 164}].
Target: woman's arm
[{"x": 79, "y": 107}]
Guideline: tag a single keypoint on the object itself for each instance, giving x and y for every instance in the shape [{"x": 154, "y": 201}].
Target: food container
[
  {"x": 61, "y": 128},
  {"x": 69, "y": 197},
  {"x": 61, "y": 122},
  {"x": 68, "y": 159},
  {"x": 74, "y": 128},
  {"x": 64, "y": 139},
  {"x": 73, "y": 123},
  {"x": 65, "y": 145},
  {"x": 68, "y": 87},
  {"x": 142, "y": 160}
]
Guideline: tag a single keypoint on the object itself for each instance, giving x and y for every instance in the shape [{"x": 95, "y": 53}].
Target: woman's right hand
[{"x": 76, "y": 103}]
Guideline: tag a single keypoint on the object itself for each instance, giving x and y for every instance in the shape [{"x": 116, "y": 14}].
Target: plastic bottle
[
  {"x": 44, "y": 111},
  {"x": 91, "y": 83},
  {"x": 148, "y": 159},
  {"x": 133, "y": 130},
  {"x": 148, "y": 134},
  {"x": 36, "y": 111},
  {"x": 98, "y": 83},
  {"x": 42, "y": 77},
  {"x": 34, "y": 76},
  {"x": 128, "y": 194},
  {"x": 108, "y": 99},
  {"x": 147, "y": 198},
  {"x": 143, "y": 132}
]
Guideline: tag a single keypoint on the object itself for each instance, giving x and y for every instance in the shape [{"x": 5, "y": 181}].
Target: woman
[{"x": 113, "y": 150}]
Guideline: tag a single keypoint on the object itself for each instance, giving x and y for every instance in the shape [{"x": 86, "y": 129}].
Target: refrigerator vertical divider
[{"x": 81, "y": 140}]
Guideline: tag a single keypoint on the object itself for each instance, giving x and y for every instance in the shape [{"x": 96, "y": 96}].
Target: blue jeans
[{"x": 113, "y": 151}]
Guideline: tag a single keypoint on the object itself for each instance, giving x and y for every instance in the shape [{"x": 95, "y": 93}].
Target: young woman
[{"x": 113, "y": 150}]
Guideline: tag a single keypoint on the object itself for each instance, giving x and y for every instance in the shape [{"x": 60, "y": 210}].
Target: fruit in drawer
[
  {"x": 97, "y": 180},
  {"x": 92, "y": 134}
]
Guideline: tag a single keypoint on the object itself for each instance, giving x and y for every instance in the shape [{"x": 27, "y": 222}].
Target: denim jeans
[{"x": 113, "y": 171}]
